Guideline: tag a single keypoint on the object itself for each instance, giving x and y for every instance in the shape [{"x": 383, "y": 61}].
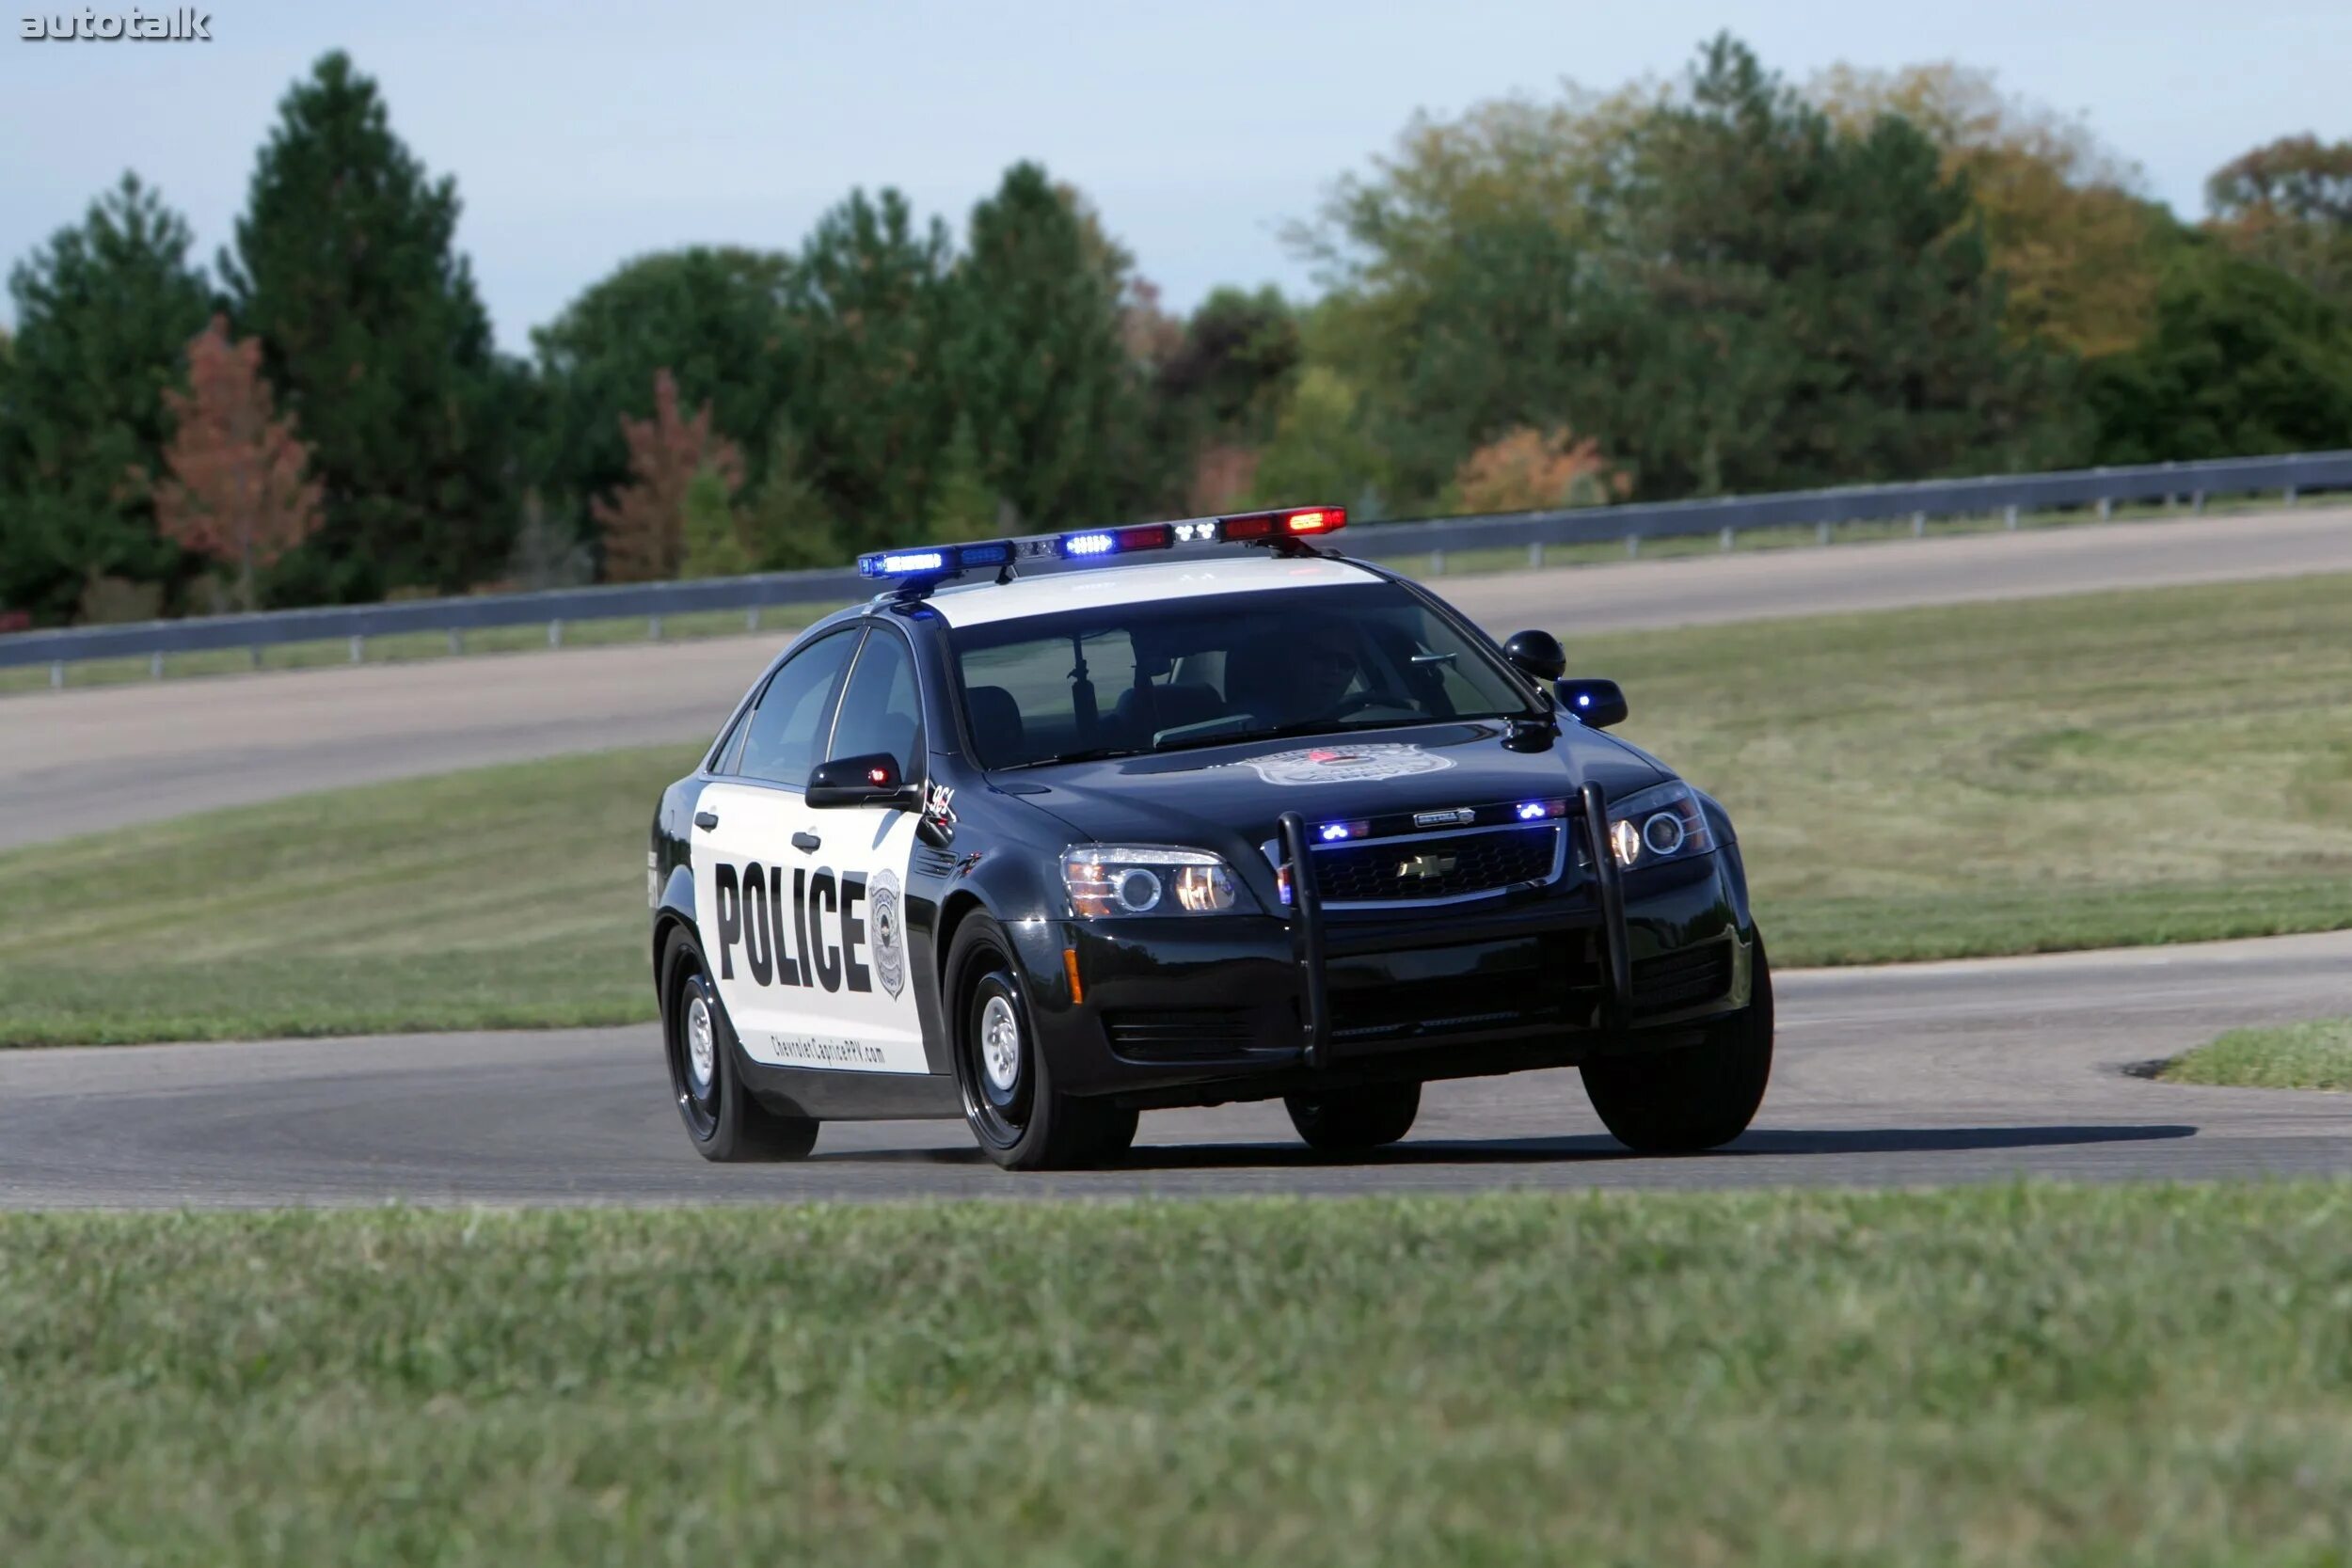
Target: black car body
[{"x": 916, "y": 876}]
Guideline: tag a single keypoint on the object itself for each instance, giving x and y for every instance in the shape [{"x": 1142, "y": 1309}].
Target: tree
[
  {"x": 1037, "y": 362},
  {"x": 963, "y": 505},
  {"x": 644, "y": 523},
  {"x": 715, "y": 318},
  {"x": 869, "y": 399},
  {"x": 1527, "y": 469},
  {"x": 346, "y": 268},
  {"x": 2064, "y": 224},
  {"x": 1321, "y": 451},
  {"x": 2289, "y": 203},
  {"x": 237, "y": 491},
  {"x": 790, "y": 523},
  {"x": 2244, "y": 359},
  {"x": 104, "y": 314},
  {"x": 713, "y": 539}
]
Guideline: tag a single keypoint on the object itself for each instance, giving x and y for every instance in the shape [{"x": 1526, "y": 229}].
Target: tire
[
  {"x": 1698, "y": 1097},
  {"x": 727, "y": 1123},
  {"x": 1352, "y": 1121},
  {"x": 1009, "y": 1102}
]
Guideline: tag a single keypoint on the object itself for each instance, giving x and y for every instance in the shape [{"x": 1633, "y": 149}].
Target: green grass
[
  {"x": 2128, "y": 1374},
  {"x": 500, "y": 897},
  {"x": 2134, "y": 767},
  {"x": 2312, "y": 1056}
]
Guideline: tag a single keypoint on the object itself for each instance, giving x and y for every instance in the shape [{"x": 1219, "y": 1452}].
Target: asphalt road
[
  {"x": 1925, "y": 1073},
  {"x": 82, "y": 761}
]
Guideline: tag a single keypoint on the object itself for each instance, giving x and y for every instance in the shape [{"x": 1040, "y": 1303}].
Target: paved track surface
[
  {"x": 77, "y": 762},
  {"x": 1925, "y": 1073}
]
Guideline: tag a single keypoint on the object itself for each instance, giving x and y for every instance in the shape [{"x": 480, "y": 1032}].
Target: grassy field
[
  {"x": 2140, "y": 1374},
  {"x": 2151, "y": 766},
  {"x": 2312, "y": 1056}
]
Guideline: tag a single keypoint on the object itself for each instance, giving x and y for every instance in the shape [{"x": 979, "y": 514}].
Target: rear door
[
  {"x": 746, "y": 869},
  {"x": 855, "y": 910}
]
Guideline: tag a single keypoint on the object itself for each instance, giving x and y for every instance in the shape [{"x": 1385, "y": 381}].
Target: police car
[{"x": 1061, "y": 828}]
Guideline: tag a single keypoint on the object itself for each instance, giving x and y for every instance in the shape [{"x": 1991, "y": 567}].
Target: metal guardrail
[{"x": 2007, "y": 495}]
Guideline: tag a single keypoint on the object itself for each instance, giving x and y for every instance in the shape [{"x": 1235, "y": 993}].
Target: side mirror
[
  {"x": 868, "y": 781},
  {"x": 1597, "y": 702},
  {"x": 1536, "y": 654}
]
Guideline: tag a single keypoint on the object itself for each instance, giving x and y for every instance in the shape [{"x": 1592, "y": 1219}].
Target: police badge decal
[
  {"x": 886, "y": 931},
  {"x": 1346, "y": 764}
]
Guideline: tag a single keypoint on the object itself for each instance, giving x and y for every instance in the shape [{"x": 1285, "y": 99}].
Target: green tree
[
  {"x": 1321, "y": 451},
  {"x": 868, "y": 400},
  {"x": 2289, "y": 203},
  {"x": 1038, "y": 361},
  {"x": 790, "y": 523},
  {"x": 105, "y": 312},
  {"x": 715, "y": 318},
  {"x": 1714, "y": 282},
  {"x": 345, "y": 267},
  {"x": 963, "y": 505},
  {"x": 713, "y": 538},
  {"x": 2064, "y": 224},
  {"x": 2244, "y": 359}
]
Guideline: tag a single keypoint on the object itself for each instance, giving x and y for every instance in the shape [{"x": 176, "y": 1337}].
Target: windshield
[{"x": 1132, "y": 678}]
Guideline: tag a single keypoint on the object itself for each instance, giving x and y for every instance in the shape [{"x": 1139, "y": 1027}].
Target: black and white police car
[{"x": 1056, "y": 829}]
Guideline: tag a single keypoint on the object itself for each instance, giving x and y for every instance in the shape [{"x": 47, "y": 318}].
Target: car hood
[{"x": 1232, "y": 796}]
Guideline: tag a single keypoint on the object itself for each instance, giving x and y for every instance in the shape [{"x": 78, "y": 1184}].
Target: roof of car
[{"x": 980, "y": 604}]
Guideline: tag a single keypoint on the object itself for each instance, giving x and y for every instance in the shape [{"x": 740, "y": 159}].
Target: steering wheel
[{"x": 1363, "y": 700}]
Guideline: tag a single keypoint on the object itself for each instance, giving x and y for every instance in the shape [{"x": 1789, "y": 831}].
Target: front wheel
[
  {"x": 725, "y": 1122},
  {"x": 1352, "y": 1121},
  {"x": 1698, "y": 1097},
  {"x": 1009, "y": 1102}
]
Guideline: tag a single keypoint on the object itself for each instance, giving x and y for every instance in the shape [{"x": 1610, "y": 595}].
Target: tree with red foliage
[
  {"x": 644, "y": 523},
  {"x": 236, "y": 491}
]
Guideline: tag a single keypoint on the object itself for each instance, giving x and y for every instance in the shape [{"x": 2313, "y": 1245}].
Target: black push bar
[{"x": 1307, "y": 901}]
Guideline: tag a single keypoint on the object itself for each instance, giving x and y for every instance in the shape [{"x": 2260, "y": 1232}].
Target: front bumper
[{"x": 1192, "y": 1010}]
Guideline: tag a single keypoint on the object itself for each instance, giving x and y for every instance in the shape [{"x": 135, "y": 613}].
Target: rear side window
[
  {"x": 789, "y": 726},
  {"x": 879, "y": 708}
]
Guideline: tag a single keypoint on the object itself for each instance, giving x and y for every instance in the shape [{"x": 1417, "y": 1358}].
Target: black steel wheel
[
  {"x": 1009, "y": 1099},
  {"x": 1351, "y": 1121},
  {"x": 726, "y": 1121},
  {"x": 1695, "y": 1098}
]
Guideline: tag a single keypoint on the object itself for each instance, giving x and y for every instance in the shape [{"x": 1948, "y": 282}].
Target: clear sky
[{"x": 587, "y": 132}]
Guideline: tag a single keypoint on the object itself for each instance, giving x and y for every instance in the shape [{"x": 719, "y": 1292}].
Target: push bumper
[{"x": 1188, "y": 1010}]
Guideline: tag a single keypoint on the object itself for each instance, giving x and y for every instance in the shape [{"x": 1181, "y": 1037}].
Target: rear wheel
[
  {"x": 1009, "y": 1102},
  {"x": 1350, "y": 1122},
  {"x": 725, "y": 1122},
  {"x": 1698, "y": 1097}
]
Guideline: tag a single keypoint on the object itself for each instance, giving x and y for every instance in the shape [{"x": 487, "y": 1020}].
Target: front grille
[
  {"x": 1682, "y": 979},
  {"x": 1181, "y": 1035},
  {"x": 1436, "y": 865}
]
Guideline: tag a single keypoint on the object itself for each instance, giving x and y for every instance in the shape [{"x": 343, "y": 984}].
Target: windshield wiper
[{"x": 1097, "y": 753}]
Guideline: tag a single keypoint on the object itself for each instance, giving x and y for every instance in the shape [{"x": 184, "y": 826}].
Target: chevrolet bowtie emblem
[{"x": 1425, "y": 867}]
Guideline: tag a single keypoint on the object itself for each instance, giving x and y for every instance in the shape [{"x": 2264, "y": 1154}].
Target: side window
[
  {"x": 789, "y": 725},
  {"x": 879, "y": 708}
]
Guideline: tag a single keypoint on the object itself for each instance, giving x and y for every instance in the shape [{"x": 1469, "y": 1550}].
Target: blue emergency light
[{"x": 934, "y": 563}]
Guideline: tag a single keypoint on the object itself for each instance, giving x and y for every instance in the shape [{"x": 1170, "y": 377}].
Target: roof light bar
[
  {"x": 932, "y": 562},
  {"x": 935, "y": 561}
]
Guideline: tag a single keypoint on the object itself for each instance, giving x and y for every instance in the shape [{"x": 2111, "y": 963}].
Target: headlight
[
  {"x": 1660, "y": 824},
  {"x": 1148, "y": 879}
]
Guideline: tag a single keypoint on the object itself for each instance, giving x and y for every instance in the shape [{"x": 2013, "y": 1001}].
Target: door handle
[
  {"x": 806, "y": 843},
  {"x": 706, "y": 819}
]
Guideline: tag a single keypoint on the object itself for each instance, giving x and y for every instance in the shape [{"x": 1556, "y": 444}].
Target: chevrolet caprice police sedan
[{"x": 1062, "y": 829}]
